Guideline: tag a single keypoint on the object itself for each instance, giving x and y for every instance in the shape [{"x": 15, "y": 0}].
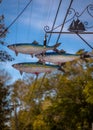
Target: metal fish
[
  {"x": 35, "y": 67},
  {"x": 33, "y": 48},
  {"x": 57, "y": 58}
]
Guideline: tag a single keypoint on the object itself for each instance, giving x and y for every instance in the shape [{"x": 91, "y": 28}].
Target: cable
[
  {"x": 62, "y": 24},
  {"x": 16, "y": 18},
  {"x": 49, "y": 9},
  {"x": 30, "y": 12},
  {"x": 84, "y": 41},
  {"x": 64, "y": 21},
  {"x": 55, "y": 19},
  {"x": 16, "y": 34}
]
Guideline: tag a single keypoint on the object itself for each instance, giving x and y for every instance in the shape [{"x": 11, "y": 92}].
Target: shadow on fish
[
  {"x": 33, "y": 48},
  {"x": 36, "y": 67}
]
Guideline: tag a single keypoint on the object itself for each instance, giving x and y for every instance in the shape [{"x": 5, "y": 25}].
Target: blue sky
[{"x": 30, "y": 26}]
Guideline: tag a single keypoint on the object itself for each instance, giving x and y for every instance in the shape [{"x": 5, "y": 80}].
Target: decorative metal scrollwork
[
  {"x": 77, "y": 24},
  {"x": 90, "y": 8},
  {"x": 46, "y": 28},
  {"x": 82, "y": 26}
]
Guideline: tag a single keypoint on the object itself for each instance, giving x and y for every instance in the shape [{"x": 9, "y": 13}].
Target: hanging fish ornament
[
  {"x": 59, "y": 58},
  {"x": 33, "y": 48},
  {"x": 35, "y": 67}
]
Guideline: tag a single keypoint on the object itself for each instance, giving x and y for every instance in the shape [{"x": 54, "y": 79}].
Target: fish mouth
[
  {"x": 11, "y": 47},
  {"x": 8, "y": 46},
  {"x": 15, "y": 66}
]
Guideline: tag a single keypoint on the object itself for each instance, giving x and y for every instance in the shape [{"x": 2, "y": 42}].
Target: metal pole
[
  {"x": 57, "y": 32},
  {"x": 85, "y": 41}
]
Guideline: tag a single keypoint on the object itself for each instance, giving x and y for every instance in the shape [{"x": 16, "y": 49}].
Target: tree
[
  {"x": 89, "y": 83},
  {"x": 71, "y": 109},
  {"x": 59, "y": 100},
  {"x": 2, "y": 27},
  {"x": 5, "y": 109},
  {"x": 4, "y": 56}
]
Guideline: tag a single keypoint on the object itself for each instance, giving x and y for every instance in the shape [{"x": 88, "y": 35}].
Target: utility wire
[
  {"x": 64, "y": 21},
  {"x": 16, "y": 18},
  {"x": 30, "y": 12},
  {"x": 84, "y": 40},
  {"x": 18, "y": 5},
  {"x": 55, "y": 19}
]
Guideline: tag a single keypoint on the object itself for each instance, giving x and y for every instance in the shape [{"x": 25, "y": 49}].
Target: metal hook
[{"x": 45, "y": 40}]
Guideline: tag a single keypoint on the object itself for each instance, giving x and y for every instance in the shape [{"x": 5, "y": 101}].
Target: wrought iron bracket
[{"x": 76, "y": 24}]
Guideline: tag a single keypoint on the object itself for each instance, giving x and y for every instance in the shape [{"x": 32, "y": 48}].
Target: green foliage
[
  {"x": 2, "y": 27},
  {"x": 5, "y": 109},
  {"x": 60, "y": 101},
  {"x": 4, "y": 56},
  {"x": 70, "y": 109},
  {"x": 39, "y": 124}
]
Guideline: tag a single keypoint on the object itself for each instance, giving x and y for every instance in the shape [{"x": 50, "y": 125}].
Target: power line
[
  {"x": 55, "y": 19},
  {"x": 18, "y": 6},
  {"x": 16, "y": 18},
  {"x": 30, "y": 12},
  {"x": 64, "y": 21},
  {"x": 78, "y": 34}
]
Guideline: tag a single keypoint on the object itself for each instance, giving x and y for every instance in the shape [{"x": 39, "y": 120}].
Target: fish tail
[
  {"x": 61, "y": 67},
  {"x": 56, "y": 45}
]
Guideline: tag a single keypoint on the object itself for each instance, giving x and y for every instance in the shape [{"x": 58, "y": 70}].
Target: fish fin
[
  {"x": 35, "y": 43},
  {"x": 60, "y": 67},
  {"x": 56, "y": 45},
  {"x": 85, "y": 56},
  {"x": 40, "y": 61},
  {"x": 62, "y": 64},
  {"x": 21, "y": 72},
  {"x": 16, "y": 53},
  {"x": 60, "y": 51},
  {"x": 31, "y": 56}
]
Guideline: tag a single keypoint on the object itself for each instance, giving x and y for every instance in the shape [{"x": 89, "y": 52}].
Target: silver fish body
[
  {"x": 35, "y": 68},
  {"x": 32, "y": 48},
  {"x": 57, "y": 58}
]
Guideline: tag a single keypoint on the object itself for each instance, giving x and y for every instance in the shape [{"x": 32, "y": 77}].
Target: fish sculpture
[
  {"x": 59, "y": 58},
  {"x": 33, "y": 48},
  {"x": 35, "y": 68}
]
